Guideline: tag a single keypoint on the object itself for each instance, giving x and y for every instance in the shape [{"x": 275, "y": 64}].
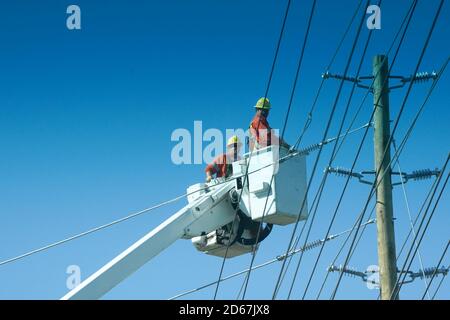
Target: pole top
[{"x": 380, "y": 59}]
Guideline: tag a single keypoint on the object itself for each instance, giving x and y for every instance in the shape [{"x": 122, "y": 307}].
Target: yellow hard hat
[
  {"x": 233, "y": 140},
  {"x": 263, "y": 103}
]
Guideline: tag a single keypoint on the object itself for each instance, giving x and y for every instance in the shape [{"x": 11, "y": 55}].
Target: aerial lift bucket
[{"x": 271, "y": 186}]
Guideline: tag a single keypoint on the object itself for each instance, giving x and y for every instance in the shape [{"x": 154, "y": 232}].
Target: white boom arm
[{"x": 209, "y": 212}]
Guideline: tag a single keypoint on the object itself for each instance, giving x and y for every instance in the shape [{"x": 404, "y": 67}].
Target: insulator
[
  {"x": 326, "y": 75},
  {"x": 428, "y": 272},
  {"x": 311, "y": 148},
  {"x": 348, "y": 271},
  {"x": 312, "y": 245},
  {"x": 333, "y": 268},
  {"x": 351, "y": 272},
  {"x": 423, "y": 76},
  {"x": 344, "y": 172},
  {"x": 423, "y": 174}
]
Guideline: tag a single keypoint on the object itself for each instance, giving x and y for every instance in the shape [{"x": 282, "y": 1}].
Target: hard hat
[
  {"x": 233, "y": 140},
  {"x": 263, "y": 103}
]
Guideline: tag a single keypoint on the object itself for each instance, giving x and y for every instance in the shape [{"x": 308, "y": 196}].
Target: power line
[
  {"x": 408, "y": 134},
  {"x": 435, "y": 271},
  {"x": 278, "y": 258},
  {"x": 324, "y": 142},
  {"x": 134, "y": 215},
  {"x": 404, "y": 143},
  {"x": 251, "y": 152},
  {"x": 320, "y": 150},
  {"x": 410, "y": 220},
  {"x": 341, "y": 249},
  {"x": 406, "y": 19},
  {"x": 333, "y": 155},
  {"x": 315, "y": 203},
  {"x": 406, "y": 137},
  {"x": 294, "y": 86},
  {"x": 428, "y": 199},
  {"x": 429, "y": 194},
  {"x": 422, "y": 273},
  {"x": 315, "y": 146},
  {"x": 438, "y": 287},
  {"x": 393, "y": 132},
  {"x": 85, "y": 233},
  {"x": 309, "y": 119},
  {"x": 319, "y": 90},
  {"x": 297, "y": 240},
  {"x": 399, "y": 284}
]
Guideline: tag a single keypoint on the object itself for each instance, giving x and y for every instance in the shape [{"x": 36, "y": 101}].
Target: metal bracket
[{"x": 418, "y": 77}]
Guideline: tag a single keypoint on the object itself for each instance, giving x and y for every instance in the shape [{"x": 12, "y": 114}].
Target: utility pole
[{"x": 385, "y": 224}]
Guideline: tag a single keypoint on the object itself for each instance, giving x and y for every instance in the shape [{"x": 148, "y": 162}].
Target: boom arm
[{"x": 209, "y": 212}]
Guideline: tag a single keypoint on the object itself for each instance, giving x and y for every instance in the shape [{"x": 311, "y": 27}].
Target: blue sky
[{"x": 86, "y": 118}]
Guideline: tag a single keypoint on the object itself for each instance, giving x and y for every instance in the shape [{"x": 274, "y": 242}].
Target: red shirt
[
  {"x": 218, "y": 166},
  {"x": 261, "y": 132}
]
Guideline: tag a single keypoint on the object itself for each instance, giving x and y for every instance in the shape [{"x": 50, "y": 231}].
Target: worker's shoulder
[{"x": 259, "y": 121}]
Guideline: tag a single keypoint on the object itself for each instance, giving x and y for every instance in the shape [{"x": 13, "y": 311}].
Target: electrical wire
[
  {"x": 393, "y": 133},
  {"x": 404, "y": 25},
  {"x": 333, "y": 155},
  {"x": 269, "y": 262},
  {"x": 294, "y": 86},
  {"x": 319, "y": 90},
  {"x": 435, "y": 271},
  {"x": 320, "y": 150},
  {"x": 410, "y": 220},
  {"x": 311, "y": 111},
  {"x": 134, "y": 215},
  {"x": 437, "y": 288},
  {"x": 251, "y": 152},
  {"x": 341, "y": 249},
  {"x": 406, "y": 137},
  {"x": 399, "y": 283}
]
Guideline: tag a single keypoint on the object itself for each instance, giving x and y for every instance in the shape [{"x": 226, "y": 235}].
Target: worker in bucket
[
  {"x": 261, "y": 134},
  {"x": 222, "y": 164}
]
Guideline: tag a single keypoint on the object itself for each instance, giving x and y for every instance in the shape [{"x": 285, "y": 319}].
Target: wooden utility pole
[{"x": 385, "y": 224}]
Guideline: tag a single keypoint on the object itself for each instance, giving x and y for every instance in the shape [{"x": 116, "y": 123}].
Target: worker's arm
[{"x": 212, "y": 169}]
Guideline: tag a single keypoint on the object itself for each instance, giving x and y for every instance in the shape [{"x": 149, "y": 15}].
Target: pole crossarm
[
  {"x": 365, "y": 276},
  {"x": 415, "y": 175},
  {"x": 418, "y": 77}
]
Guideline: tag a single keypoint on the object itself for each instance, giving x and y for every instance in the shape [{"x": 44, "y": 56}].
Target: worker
[
  {"x": 261, "y": 134},
  {"x": 222, "y": 164}
]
